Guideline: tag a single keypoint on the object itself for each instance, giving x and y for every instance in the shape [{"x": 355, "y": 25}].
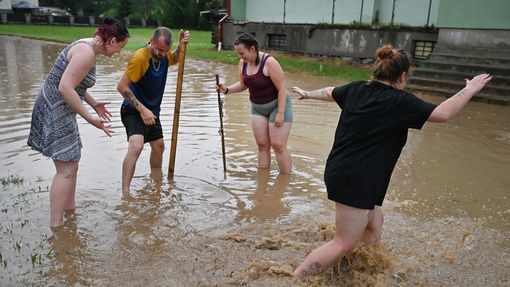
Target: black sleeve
[
  {"x": 413, "y": 111},
  {"x": 339, "y": 94}
]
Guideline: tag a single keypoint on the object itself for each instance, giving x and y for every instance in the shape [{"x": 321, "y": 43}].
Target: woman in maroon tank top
[{"x": 271, "y": 108}]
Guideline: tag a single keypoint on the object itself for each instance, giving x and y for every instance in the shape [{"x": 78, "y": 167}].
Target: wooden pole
[
  {"x": 220, "y": 107},
  {"x": 177, "y": 109}
]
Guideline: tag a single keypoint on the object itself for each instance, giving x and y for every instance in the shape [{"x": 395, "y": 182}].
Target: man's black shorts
[{"x": 134, "y": 125}]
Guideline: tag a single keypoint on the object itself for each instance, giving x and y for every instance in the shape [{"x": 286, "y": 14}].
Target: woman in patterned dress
[{"x": 54, "y": 130}]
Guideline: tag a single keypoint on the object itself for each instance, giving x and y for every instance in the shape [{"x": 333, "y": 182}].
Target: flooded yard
[{"x": 446, "y": 215}]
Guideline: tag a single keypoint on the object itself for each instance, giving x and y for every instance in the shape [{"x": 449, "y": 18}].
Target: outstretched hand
[
  {"x": 302, "y": 93},
  {"x": 478, "y": 82},
  {"x": 102, "y": 111},
  {"x": 103, "y": 125}
]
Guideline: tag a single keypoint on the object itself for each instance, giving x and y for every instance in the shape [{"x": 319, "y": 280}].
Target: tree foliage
[{"x": 173, "y": 13}]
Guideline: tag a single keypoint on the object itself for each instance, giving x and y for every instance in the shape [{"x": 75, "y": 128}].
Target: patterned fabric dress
[{"x": 54, "y": 130}]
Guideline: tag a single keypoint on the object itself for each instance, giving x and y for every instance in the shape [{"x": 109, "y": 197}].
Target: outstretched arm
[
  {"x": 81, "y": 60},
  {"x": 450, "y": 107},
  {"x": 324, "y": 94}
]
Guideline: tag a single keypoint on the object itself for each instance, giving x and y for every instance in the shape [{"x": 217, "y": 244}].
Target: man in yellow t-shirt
[{"x": 142, "y": 87}]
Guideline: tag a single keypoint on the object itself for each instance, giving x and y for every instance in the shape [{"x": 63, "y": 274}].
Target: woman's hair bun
[
  {"x": 108, "y": 20},
  {"x": 390, "y": 64},
  {"x": 385, "y": 52}
]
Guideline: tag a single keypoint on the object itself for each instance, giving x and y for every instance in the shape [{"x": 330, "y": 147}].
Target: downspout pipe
[
  {"x": 220, "y": 26},
  {"x": 220, "y": 30}
]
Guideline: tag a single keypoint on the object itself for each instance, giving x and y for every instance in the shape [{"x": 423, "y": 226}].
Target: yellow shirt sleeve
[{"x": 137, "y": 65}]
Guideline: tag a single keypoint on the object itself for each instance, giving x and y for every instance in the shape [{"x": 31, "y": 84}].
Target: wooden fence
[{"x": 27, "y": 18}]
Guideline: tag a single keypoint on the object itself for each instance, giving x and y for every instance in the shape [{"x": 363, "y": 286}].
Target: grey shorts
[{"x": 270, "y": 109}]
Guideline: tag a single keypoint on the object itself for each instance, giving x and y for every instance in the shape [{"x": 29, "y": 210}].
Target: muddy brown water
[{"x": 446, "y": 214}]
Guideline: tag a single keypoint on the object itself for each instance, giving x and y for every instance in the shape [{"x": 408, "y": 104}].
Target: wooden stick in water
[
  {"x": 220, "y": 107},
  {"x": 177, "y": 109}
]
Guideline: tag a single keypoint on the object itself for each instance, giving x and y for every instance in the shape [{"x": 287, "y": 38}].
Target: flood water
[{"x": 446, "y": 214}]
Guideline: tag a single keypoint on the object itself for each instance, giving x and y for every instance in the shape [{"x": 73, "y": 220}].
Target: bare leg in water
[
  {"x": 351, "y": 225},
  {"x": 63, "y": 187}
]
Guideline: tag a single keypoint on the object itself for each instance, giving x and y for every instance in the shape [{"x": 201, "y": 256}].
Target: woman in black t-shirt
[{"x": 371, "y": 132}]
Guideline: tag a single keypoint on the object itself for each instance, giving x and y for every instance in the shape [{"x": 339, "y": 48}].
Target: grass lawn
[{"x": 200, "y": 47}]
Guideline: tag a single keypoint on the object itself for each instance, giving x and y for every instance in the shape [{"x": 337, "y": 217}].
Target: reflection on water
[
  {"x": 266, "y": 201},
  {"x": 70, "y": 253},
  {"x": 247, "y": 227},
  {"x": 137, "y": 222}
]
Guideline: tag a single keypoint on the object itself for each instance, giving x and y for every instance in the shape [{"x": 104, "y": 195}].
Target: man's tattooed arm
[{"x": 128, "y": 95}]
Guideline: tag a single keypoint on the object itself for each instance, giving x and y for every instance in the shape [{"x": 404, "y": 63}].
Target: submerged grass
[
  {"x": 11, "y": 179},
  {"x": 200, "y": 47},
  {"x": 24, "y": 242}
]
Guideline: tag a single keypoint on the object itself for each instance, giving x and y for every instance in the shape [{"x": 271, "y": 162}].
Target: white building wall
[
  {"x": 5, "y": 4},
  {"x": 264, "y": 11},
  {"x": 309, "y": 12},
  {"x": 368, "y": 11},
  {"x": 34, "y": 2},
  {"x": 409, "y": 12},
  {"x": 347, "y": 11}
]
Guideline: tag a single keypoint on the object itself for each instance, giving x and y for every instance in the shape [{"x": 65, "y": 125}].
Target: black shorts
[
  {"x": 134, "y": 125},
  {"x": 356, "y": 192}
]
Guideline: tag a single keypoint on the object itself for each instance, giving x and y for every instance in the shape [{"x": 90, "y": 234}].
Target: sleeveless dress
[{"x": 54, "y": 129}]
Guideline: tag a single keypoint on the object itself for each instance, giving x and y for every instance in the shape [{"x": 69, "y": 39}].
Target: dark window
[
  {"x": 422, "y": 49},
  {"x": 277, "y": 41}
]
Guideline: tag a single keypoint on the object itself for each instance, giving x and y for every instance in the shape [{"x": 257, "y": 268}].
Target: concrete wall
[
  {"x": 474, "y": 14},
  {"x": 491, "y": 39},
  {"x": 352, "y": 43}
]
